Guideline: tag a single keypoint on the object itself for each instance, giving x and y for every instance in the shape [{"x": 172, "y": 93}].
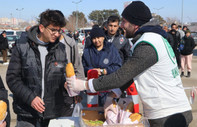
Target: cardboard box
[{"x": 98, "y": 114}]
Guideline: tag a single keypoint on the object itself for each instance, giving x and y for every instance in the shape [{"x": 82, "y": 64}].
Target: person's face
[
  {"x": 50, "y": 33},
  {"x": 112, "y": 28},
  {"x": 187, "y": 34},
  {"x": 165, "y": 28},
  {"x": 98, "y": 41},
  {"x": 174, "y": 27},
  {"x": 4, "y": 35},
  {"x": 129, "y": 28}
]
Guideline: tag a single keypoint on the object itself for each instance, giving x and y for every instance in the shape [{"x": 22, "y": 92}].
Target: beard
[{"x": 129, "y": 34}]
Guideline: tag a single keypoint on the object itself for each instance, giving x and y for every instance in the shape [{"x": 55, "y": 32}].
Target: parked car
[
  {"x": 194, "y": 35},
  {"x": 11, "y": 42}
]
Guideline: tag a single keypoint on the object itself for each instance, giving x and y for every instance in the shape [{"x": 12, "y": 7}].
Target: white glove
[
  {"x": 108, "y": 106},
  {"x": 76, "y": 84}
]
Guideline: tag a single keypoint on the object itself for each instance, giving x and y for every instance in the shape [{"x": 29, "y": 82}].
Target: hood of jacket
[
  {"x": 152, "y": 28},
  {"x": 32, "y": 33}
]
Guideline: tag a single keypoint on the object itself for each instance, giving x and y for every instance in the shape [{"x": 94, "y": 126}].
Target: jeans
[
  {"x": 175, "y": 120},
  {"x": 31, "y": 122}
]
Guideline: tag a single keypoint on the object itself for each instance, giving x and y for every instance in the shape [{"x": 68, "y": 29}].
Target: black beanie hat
[
  {"x": 137, "y": 13},
  {"x": 97, "y": 32}
]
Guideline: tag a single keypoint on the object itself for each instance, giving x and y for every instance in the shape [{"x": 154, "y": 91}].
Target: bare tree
[{"x": 170, "y": 20}]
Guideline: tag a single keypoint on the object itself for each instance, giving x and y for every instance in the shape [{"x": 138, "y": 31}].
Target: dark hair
[
  {"x": 52, "y": 17},
  {"x": 95, "y": 26},
  {"x": 3, "y": 32},
  {"x": 179, "y": 26},
  {"x": 185, "y": 27},
  {"x": 172, "y": 24},
  {"x": 113, "y": 18}
]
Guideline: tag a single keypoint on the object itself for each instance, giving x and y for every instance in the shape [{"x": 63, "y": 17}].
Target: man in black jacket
[
  {"x": 35, "y": 74},
  {"x": 4, "y": 46},
  {"x": 113, "y": 36},
  {"x": 4, "y": 97}
]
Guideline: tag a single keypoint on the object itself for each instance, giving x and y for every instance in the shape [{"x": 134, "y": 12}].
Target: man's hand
[
  {"x": 38, "y": 104},
  {"x": 109, "y": 106},
  {"x": 3, "y": 124},
  {"x": 76, "y": 84}
]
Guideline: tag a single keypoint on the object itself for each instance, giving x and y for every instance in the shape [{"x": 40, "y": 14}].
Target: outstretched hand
[{"x": 75, "y": 84}]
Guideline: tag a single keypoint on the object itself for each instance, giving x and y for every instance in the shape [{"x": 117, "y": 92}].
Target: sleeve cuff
[
  {"x": 90, "y": 85},
  {"x": 117, "y": 91}
]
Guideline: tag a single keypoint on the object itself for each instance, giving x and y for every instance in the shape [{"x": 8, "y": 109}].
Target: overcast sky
[{"x": 29, "y": 9}]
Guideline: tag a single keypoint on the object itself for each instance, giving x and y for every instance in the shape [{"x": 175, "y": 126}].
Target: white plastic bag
[{"x": 77, "y": 110}]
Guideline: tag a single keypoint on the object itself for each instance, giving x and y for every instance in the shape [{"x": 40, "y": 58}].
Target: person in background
[
  {"x": 177, "y": 39},
  {"x": 36, "y": 73},
  {"x": 101, "y": 56},
  {"x": 88, "y": 41},
  {"x": 104, "y": 26},
  {"x": 188, "y": 45},
  {"x": 4, "y": 97},
  {"x": 76, "y": 36},
  {"x": 182, "y": 33},
  {"x": 154, "y": 69},
  {"x": 185, "y": 28},
  {"x": 113, "y": 35},
  {"x": 169, "y": 36},
  {"x": 73, "y": 57},
  {"x": 4, "y": 46},
  {"x": 70, "y": 34},
  {"x": 24, "y": 34}
]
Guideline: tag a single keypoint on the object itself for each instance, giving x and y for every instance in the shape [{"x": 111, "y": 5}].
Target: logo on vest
[
  {"x": 106, "y": 61},
  {"x": 121, "y": 40}
]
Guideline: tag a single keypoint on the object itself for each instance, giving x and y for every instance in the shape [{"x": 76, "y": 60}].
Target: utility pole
[
  {"x": 19, "y": 10},
  {"x": 76, "y": 26},
  {"x": 182, "y": 15}
]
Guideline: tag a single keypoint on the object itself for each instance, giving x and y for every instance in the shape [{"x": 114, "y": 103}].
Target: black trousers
[{"x": 175, "y": 120}]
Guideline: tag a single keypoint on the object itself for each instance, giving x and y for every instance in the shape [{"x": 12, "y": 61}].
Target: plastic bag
[{"x": 77, "y": 110}]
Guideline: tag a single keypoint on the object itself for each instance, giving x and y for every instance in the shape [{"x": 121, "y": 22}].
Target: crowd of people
[
  {"x": 183, "y": 45},
  {"x": 149, "y": 56}
]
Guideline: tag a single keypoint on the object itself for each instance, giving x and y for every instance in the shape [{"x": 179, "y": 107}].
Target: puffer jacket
[
  {"x": 24, "y": 77},
  {"x": 189, "y": 45}
]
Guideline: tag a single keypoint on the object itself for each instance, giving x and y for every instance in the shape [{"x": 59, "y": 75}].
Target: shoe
[
  {"x": 6, "y": 63},
  {"x": 188, "y": 74},
  {"x": 182, "y": 74}
]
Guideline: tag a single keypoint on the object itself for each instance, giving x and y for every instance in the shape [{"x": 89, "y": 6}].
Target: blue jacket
[{"x": 108, "y": 58}]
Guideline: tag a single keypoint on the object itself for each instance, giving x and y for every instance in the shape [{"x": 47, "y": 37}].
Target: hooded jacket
[
  {"x": 189, "y": 45},
  {"x": 3, "y": 43},
  {"x": 73, "y": 55},
  {"x": 24, "y": 77},
  {"x": 122, "y": 44}
]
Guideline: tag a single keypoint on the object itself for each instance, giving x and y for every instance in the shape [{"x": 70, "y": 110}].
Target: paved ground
[{"x": 187, "y": 82}]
